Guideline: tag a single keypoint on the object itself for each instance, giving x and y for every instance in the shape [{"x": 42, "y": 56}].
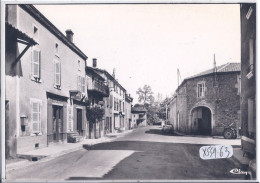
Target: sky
[{"x": 147, "y": 43}]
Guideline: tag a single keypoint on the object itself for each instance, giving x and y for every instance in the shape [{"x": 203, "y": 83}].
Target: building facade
[
  {"x": 45, "y": 87},
  {"x": 206, "y": 103},
  {"x": 139, "y": 116},
  {"x": 128, "y": 114},
  {"x": 114, "y": 103},
  {"x": 97, "y": 91},
  {"x": 248, "y": 77}
]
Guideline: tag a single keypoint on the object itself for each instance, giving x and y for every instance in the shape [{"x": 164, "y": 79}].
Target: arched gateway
[{"x": 201, "y": 120}]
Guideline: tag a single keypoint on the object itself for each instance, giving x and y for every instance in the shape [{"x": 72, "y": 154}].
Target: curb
[{"x": 27, "y": 163}]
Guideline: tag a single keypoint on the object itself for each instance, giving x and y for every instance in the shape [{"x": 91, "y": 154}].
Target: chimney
[
  {"x": 69, "y": 35},
  {"x": 94, "y": 62},
  {"x": 114, "y": 73}
]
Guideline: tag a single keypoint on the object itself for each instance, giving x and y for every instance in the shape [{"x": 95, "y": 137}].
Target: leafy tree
[{"x": 145, "y": 95}]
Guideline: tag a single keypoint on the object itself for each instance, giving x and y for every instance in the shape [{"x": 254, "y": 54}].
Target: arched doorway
[{"x": 201, "y": 120}]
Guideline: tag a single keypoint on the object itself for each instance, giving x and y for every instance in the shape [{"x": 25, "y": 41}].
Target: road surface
[{"x": 144, "y": 154}]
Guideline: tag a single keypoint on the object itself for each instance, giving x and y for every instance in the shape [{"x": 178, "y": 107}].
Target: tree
[
  {"x": 145, "y": 95},
  {"x": 162, "y": 109}
]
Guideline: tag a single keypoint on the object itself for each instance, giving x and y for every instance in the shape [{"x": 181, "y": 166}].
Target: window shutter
[
  {"x": 57, "y": 73},
  {"x": 83, "y": 85},
  {"x": 36, "y": 63},
  {"x": 79, "y": 83},
  {"x": 36, "y": 117}
]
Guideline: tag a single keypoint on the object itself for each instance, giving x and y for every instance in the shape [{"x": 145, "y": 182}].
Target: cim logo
[{"x": 237, "y": 171}]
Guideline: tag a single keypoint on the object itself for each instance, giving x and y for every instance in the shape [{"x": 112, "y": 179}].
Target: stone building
[
  {"x": 139, "y": 116},
  {"x": 205, "y": 103},
  {"x": 248, "y": 77},
  {"x": 45, "y": 82}
]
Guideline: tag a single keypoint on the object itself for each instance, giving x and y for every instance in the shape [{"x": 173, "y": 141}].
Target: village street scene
[{"x": 129, "y": 92}]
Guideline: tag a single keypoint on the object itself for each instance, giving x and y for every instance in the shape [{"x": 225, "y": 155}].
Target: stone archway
[{"x": 201, "y": 119}]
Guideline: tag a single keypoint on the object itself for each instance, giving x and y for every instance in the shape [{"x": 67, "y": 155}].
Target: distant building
[
  {"x": 45, "y": 82},
  {"x": 139, "y": 116},
  {"x": 248, "y": 77},
  {"x": 128, "y": 114},
  {"x": 97, "y": 91},
  {"x": 115, "y": 103},
  {"x": 205, "y": 103}
]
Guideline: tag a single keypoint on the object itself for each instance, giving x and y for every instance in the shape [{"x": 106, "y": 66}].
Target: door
[
  {"x": 57, "y": 123},
  {"x": 79, "y": 122}
]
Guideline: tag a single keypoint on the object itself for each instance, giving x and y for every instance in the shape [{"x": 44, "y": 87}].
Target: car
[{"x": 168, "y": 128}]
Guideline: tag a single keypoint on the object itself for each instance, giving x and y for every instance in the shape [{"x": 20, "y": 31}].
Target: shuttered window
[
  {"x": 57, "y": 77},
  {"x": 36, "y": 63},
  {"x": 79, "y": 83},
  {"x": 201, "y": 89},
  {"x": 83, "y": 84},
  {"x": 36, "y": 117}
]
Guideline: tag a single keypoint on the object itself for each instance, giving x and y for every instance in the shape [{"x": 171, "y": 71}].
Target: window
[
  {"x": 36, "y": 63},
  {"x": 79, "y": 65},
  {"x": 81, "y": 84},
  {"x": 201, "y": 89},
  {"x": 120, "y": 104},
  {"x": 36, "y": 117},
  {"x": 56, "y": 48},
  {"x": 57, "y": 73},
  {"x": 35, "y": 33},
  {"x": 123, "y": 107}
]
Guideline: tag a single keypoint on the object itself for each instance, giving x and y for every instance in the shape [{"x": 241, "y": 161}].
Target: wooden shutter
[
  {"x": 57, "y": 73},
  {"x": 36, "y": 117},
  {"x": 83, "y": 84},
  {"x": 36, "y": 63},
  {"x": 79, "y": 83}
]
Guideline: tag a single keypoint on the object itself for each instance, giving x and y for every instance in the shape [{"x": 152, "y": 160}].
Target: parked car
[{"x": 167, "y": 128}]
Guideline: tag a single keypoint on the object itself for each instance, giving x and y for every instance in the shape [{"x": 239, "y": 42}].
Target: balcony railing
[{"x": 98, "y": 87}]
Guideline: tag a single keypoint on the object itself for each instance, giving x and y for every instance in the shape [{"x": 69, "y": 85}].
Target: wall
[
  {"x": 27, "y": 88},
  {"x": 222, "y": 99}
]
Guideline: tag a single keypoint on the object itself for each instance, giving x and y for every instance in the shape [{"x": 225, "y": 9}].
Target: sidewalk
[
  {"x": 55, "y": 150},
  {"x": 238, "y": 157}
]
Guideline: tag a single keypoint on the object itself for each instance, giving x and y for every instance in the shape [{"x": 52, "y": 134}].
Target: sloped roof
[
  {"x": 228, "y": 67},
  {"x": 19, "y": 34}
]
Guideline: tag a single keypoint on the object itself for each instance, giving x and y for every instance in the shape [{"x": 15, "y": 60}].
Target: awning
[{"x": 9, "y": 29}]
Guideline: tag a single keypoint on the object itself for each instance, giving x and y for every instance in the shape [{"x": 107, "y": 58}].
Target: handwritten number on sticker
[{"x": 216, "y": 152}]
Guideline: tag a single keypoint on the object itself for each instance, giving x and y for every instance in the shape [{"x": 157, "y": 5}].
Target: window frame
[
  {"x": 57, "y": 85},
  {"x": 202, "y": 93},
  {"x": 38, "y": 112},
  {"x": 35, "y": 77}
]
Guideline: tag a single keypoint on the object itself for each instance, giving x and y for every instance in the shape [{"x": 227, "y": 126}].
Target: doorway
[
  {"x": 79, "y": 122},
  {"x": 202, "y": 120},
  {"x": 57, "y": 123}
]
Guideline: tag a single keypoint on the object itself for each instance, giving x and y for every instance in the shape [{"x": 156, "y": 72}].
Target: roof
[
  {"x": 108, "y": 75},
  {"x": 45, "y": 22},
  {"x": 225, "y": 68},
  {"x": 95, "y": 73},
  {"x": 228, "y": 67},
  {"x": 19, "y": 34},
  {"x": 138, "y": 109}
]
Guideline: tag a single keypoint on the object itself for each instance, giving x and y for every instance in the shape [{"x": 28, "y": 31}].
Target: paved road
[{"x": 144, "y": 154}]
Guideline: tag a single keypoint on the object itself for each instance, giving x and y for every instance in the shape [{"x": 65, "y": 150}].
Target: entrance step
[{"x": 74, "y": 137}]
